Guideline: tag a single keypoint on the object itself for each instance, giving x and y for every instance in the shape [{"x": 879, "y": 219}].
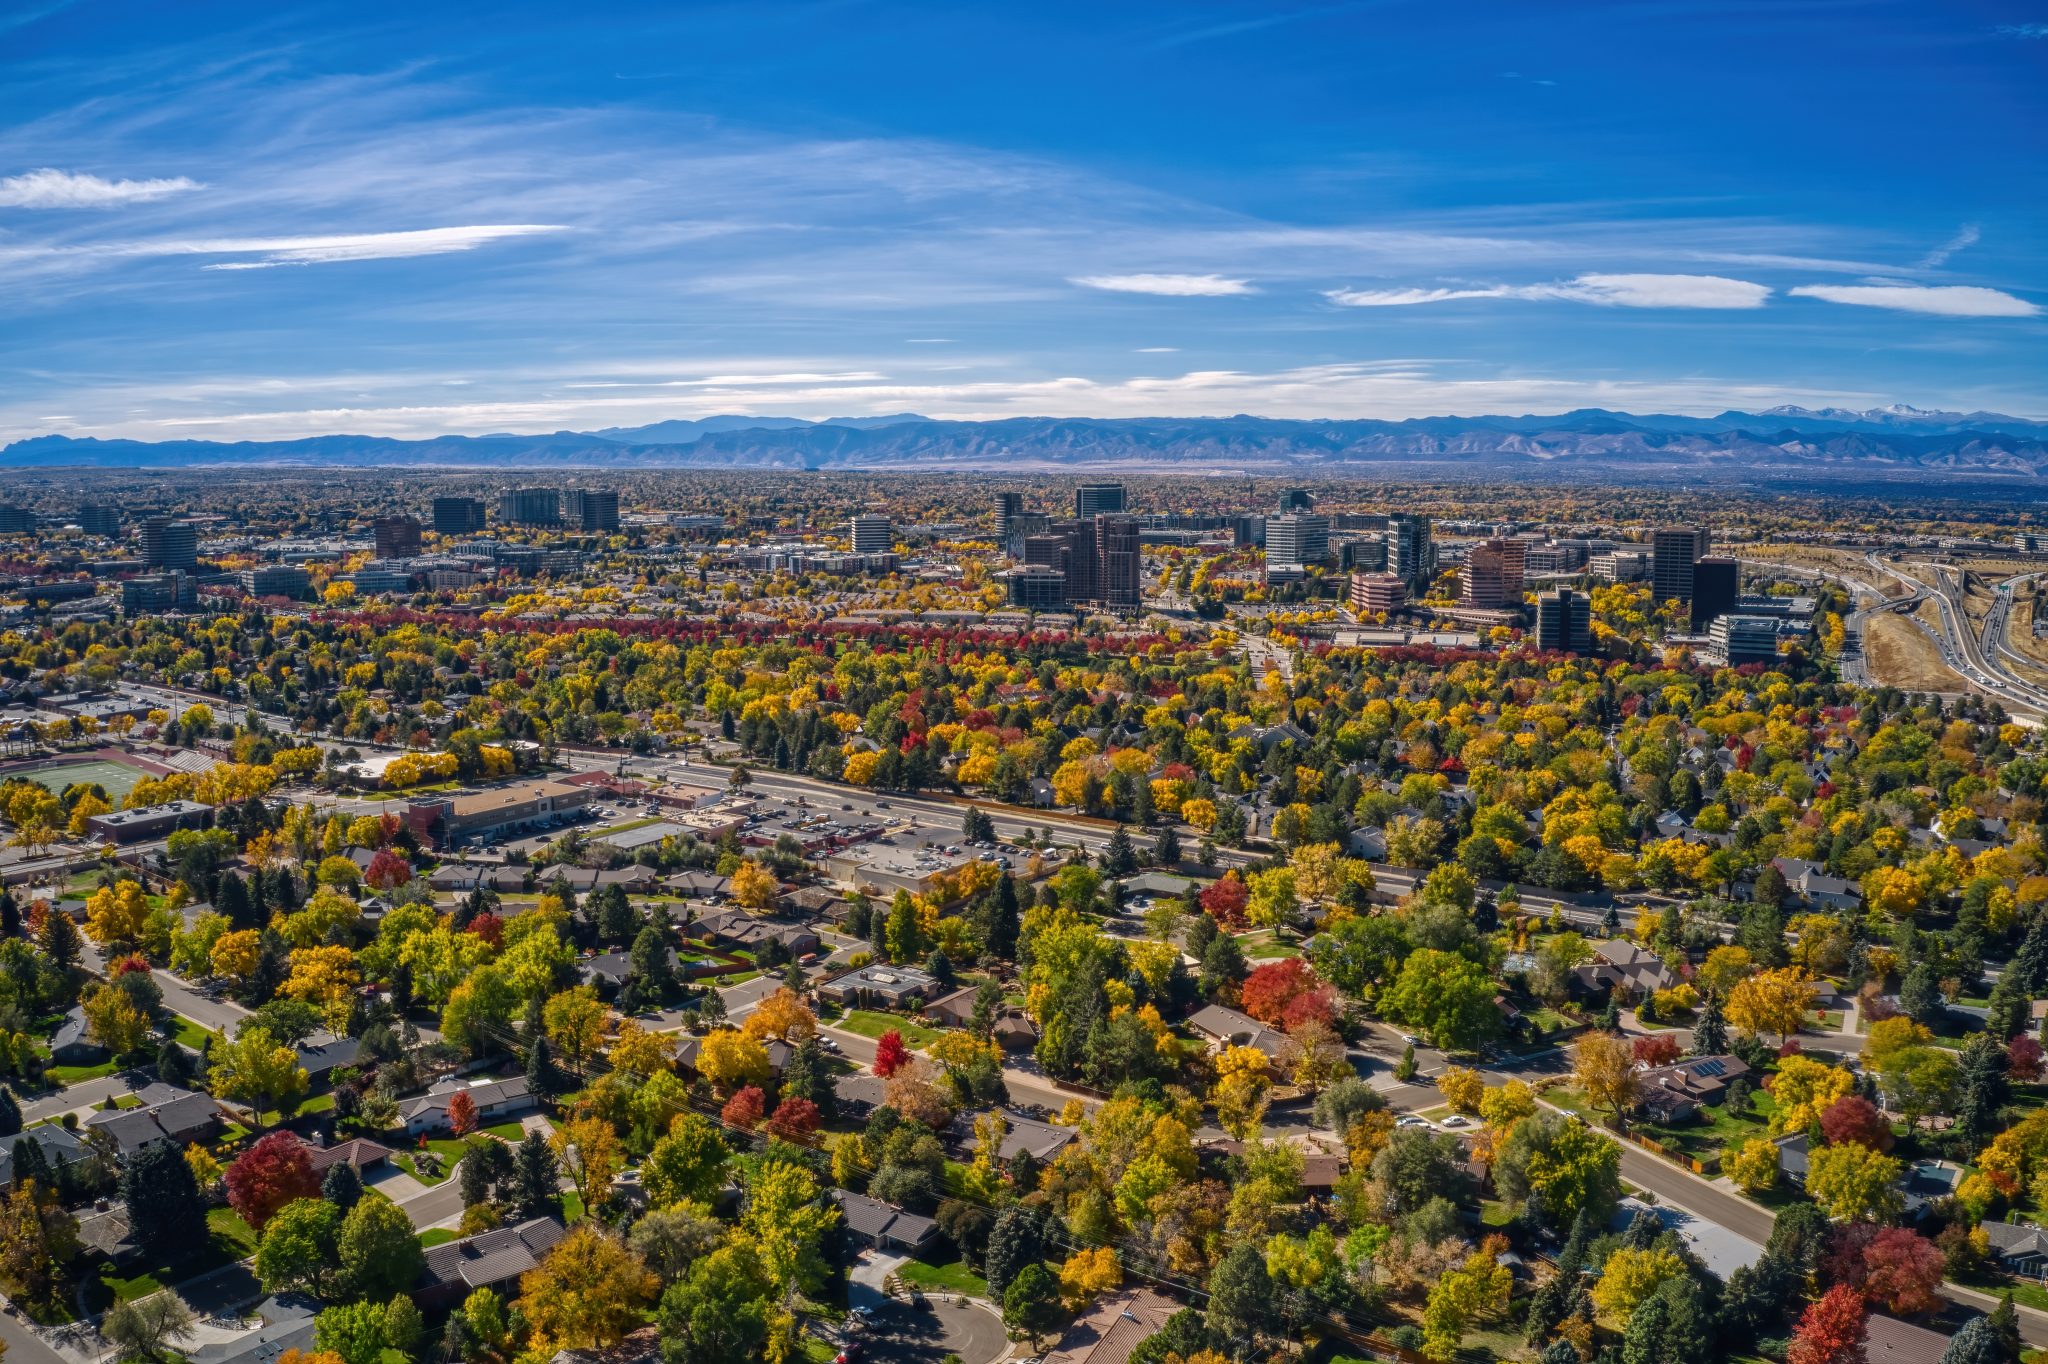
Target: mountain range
[{"x": 1783, "y": 442}]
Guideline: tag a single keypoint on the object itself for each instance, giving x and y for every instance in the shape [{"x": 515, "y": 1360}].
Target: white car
[
  {"x": 1455, "y": 1120},
  {"x": 1410, "y": 1120},
  {"x": 1411, "y": 1039}
]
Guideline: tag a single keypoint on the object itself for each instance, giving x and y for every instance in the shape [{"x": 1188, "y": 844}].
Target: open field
[
  {"x": 1901, "y": 656},
  {"x": 116, "y": 779}
]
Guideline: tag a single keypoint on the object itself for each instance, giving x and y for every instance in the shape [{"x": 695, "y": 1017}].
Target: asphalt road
[{"x": 24, "y": 1346}]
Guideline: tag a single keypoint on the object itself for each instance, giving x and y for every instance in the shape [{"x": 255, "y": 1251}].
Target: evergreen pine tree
[
  {"x": 2004, "y": 1325},
  {"x": 1166, "y": 848},
  {"x": 1974, "y": 1344},
  {"x": 541, "y": 1075},
  {"x": 1119, "y": 858},
  {"x": 1984, "y": 1088},
  {"x": 10, "y": 1113},
  {"x": 1001, "y": 938},
  {"x": 1710, "y": 1031},
  {"x": 10, "y": 915},
  {"x": 342, "y": 1186},
  {"x": 535, "y": 1176}
]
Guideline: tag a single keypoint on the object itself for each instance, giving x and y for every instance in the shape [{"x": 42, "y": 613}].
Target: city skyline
[{"x": 260, "y": 225}]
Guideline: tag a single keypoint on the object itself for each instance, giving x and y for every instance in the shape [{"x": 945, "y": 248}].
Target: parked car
[{"x": 920, "y": 1302}]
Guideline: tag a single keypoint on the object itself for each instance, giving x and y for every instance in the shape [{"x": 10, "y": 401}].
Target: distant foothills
[{"x": 1783, "y": 442}]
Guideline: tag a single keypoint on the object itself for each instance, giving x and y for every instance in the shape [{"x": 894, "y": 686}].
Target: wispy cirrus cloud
[
  {"x": 2022, "y": 30},
  {"x": 321, "y": 249},
  {"x": 1167, "y": 286},
  {"x": 1968, "y": 235},
  {"x": 52, "y": 188},
  {"x": 1932, "y": 300},
  {"x": 1603, "y": 290}
]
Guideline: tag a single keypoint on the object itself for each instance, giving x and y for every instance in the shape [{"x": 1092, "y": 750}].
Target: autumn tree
[
  {"x": 575, "y": 1022},
  {"x": 1853, "y": 1183},
  {"x": 781, "y": 1015},
  {"x": 1772, "y": 1002},
  {"x": 275, "y": 1171},
  {"x": 890, "y": 1053},
  {"x": 588, "y": 1150},
  {"x": 731, "y": 1060},
  {"x": 1831, "y": 1330},
  {"x": 1604, "y": 1069},
  {"x": 586, "y": 1294}
]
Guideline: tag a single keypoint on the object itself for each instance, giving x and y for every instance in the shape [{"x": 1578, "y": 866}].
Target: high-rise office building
[
  {"x": 1411, "y": 549},
  {"x": 1297, "y": 539},
  {"x": 871, "y": 533},
  {"x": 1363, "y": 554},
  {"x": 1098, "y": 499},
  {"x": 1674, "y": 550},
  {"x": 1376, "y": 593},
  {"x": 458, "y": 515},
  {"x": 1715, "y": 586},
  {"x": 1119, "y": 584},
  {"x": 1008, "y": 506},
  {"x": 396, "y": 537},
  {"x": 172, "y": 591},
  {"x": 1248, "y": 531},
  {"x": 1564, "y": 621},
  {"x": 1744, "y": 639},
  {"x": 277, "y": 580},
  {"x": 529, "y": 507},
  {"x": 100, "y": 519},
  {"x": 1491, "y": 579},
  {"x": 170, "y": 543},
  {"x": 595, "y": 509},
  {"x": 18, "y": 521},
  {"x": 1295, "y": 500},
  {"x": 1034, "y": 587}
]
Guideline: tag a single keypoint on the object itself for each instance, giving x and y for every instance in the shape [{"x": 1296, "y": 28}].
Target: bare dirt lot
[{"x": 1901, "y": 656}]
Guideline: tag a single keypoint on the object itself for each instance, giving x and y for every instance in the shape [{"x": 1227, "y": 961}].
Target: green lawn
[
  {"x": 627, "y": 827},
  {"x": 572, "y": 1206},
  {"x": 438, "y": 1236},
  {"x": 451, "y": 1149},
  {"x": 191, "y": 1034},
  {"x": 228, "y": 1227},
  {"x": 953, "y": 1276},
  {"x": 63, "y": 1077},
  {"x": 868, "y": 1023},
  {"x": 319, "y": 1103},
  {"x": 1265, "y": 945},
  {"x": 229, "y": 1240}
]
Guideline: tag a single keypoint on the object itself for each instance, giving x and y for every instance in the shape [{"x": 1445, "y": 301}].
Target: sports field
[{"x": 116, "y": 779}]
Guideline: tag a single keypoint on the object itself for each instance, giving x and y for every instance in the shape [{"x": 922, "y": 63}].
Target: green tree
[
  {"x": 164, "y": 1203},
  {"x": 1031, "y": 1304},
  {"x": 301, "y": 1247},
  {"x": 1447, "y": 997},
  {"x": 379, "y": 1254},
  {"x": 148, "y": 1328},
  {"x": 719, "y": 1311},
  {"x": 689, "y": 1164}
]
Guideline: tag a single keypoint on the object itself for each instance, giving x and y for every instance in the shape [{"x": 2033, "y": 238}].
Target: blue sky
[{"x": 235, "y": 221}]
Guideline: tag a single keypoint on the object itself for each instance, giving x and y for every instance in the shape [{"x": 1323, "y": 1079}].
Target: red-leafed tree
[
  {"x": 890, "y": 1054},
  {"x": 2023, "y": 1058},
  {"x": 1853, "y": 1118},
  {"x": 1225, "y": 901},
  {"x": 1831, "y": 1329},
  {"x": 745, "y": 1107},
  {"x": 1268, "y": 991},
  {"x": 1903, "y": 1271},
  {"x": 132, "y": 964},
  {"x": 794, "y": 1120},
  {"x": 461, "y": 1113},
  {"x": 275, "y": 1171},
  {"x": 387, "y": 870},
  {"x": 1311, "y": 1006},
  {"x": 489, "y": 927},
  {"x": 1658, "y": 1050}
]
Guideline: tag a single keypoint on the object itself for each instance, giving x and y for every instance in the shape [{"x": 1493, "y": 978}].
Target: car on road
[
  {"x": 1411, "y": 1039},
  {"x": 920, "y": 1302},
  {"x": 1455, "y": 1120},
  {"x": 828, "y": 1044},
  {"x": 1410, "y": 1120}
]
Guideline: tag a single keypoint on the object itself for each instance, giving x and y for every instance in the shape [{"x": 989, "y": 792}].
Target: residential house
[
  {"x": 1228, "y": 1028},
  {"x": 1041, "y": 1140},
  {"x": 2021, "y": 1247},
  {"x": 71, "y": 1046},
  {"x": 495, "y": 1100},
  {"x": 322, "y": 1053},
  {"x": 702, "y": 885},
  {"x": 1628, "y": 970},
  {"x": 287, "y": 1324},
  {"x": 1887, "y": 1340},
  {"x": 1811, "y": 882},
  {"x": 879, "y": 984},
  {"x": 732, "y": 929},
  {"x": 859, "y": 1094},
  {"x": 358, "y": 1153},
  {"x": 688, "y": 1049},
  {"x": 1112, "y": 1329},
  {"x": 1014, "y": 1031},
  {"x": 955, "y": 1010},
  {"x": 167, "y": 1114},
  {"x": 60, "y": 1147},
  {"x": 609, "y": 971},
  {"x": 492, "y": 1259},
  {"x": 1675, "y": 1093},
  {"x": 869, "y": 1221}
]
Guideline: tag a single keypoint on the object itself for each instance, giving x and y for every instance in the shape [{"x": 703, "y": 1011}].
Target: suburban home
[
  {"x": 1794, "y": 1157},
  {"x": 890, "y": 987},
  {"x": 323, "y": 1052},
  {"x": 730, "y": 928},
  {"x": 1113, "y": 1327},
  {"x": 609, "y": 971},
  {"x": 1675, "y": 1093},
  {"x": 583, "y": 880},
  {"x": 689, "y": 1048},
  {"x": 1628, "y": 970},
  {"x": 1014, "y": 1031},
  {"x": 461, "y": 880},
  {"x": 704, "y": 885},
  {"x": 60, "y": 1146},
  {"x": 495, "y": 1100},
  {"x": 358, "y": 1153},
  {"x": 859, "y": 1094},
  {"x": 816, "y": 902},
  {"x": 871, "y": 1222},
  {"x": 1229, "y": 1028},
  {"x": 1811, "y": 882},
  {"x": 955, "y": 1010},
  {"x": 167, "y": 1114},
  {"x": 70, "y": 1046},
  {"x": 287, "y": 1325},
  {"x": 2021, "y": 1247},
  {"x": 491, "y": 1259},
  {"x": 1887, "y": 1340},
  {"x": 1041, "y": 1140}
]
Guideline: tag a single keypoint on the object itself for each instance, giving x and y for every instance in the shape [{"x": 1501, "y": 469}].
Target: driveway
[{"x": 904, "y": 1335}]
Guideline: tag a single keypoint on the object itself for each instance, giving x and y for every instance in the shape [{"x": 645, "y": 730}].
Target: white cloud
[
  {"x": 51, "y": 188},
  {"x": 1170, "y": 286},
  {"x": 431, "y": 241},
  {"x": 1966, "y": 236},
  {"x": 1158, "y": 350},
  {"x": 1935, "y": 300},
  {"x": 1613, "y": 291}
]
